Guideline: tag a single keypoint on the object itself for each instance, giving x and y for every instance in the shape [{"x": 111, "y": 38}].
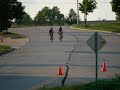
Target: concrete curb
[
  {"x": 94, "y": 30},
  {"x": 25, "y": 43},
  {"x": 118, "y": 34},
  {"x": 2, "y": 53},
  {"x": 13, "y": 48}
]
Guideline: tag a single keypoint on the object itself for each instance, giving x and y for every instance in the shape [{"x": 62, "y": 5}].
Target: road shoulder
[{"x": 15, "y": 43}]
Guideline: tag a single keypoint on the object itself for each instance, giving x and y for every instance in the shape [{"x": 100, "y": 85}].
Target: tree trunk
[{"x": 85, "y": 19}]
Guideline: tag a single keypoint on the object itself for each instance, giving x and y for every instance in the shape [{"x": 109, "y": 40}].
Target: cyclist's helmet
[
  {"x": 60, "y": 29},
  {"x": 50, "y": 30}
]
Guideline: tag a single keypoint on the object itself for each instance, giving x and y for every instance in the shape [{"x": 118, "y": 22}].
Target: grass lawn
[
  {"x": 112, "y": 84},
  {"x": 11, "y": 35},
  {"x": 4, "y": 48},
  {"x": 112, "y": 27}
]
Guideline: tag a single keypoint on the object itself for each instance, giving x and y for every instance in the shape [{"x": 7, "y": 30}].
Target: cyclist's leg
[
  {"x": 60, "y": 37},
  {"x": 51, "y": 37}
]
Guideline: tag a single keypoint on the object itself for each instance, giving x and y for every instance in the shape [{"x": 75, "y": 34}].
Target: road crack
[{"x": 67, "y": 65}]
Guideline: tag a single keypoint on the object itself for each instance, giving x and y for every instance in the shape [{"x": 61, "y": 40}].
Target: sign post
[
  {"x": 96, "y": 54},
  {"x": 96, "y": 42}
]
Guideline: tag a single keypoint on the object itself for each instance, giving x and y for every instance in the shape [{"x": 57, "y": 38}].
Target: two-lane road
[{"x": 38, "y": 61}]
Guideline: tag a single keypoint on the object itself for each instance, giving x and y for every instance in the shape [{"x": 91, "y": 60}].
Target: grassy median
[
  {"x": 112, "y": 27},
  {"x": 4, "y": 48}
]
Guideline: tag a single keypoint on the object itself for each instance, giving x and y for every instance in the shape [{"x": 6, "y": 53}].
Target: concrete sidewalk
[{"x": 15, "y": 43}]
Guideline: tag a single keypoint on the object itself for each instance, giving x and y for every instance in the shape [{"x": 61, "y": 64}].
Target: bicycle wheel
[
  {"x": 60, "y": 38},
  {"x": 51, "y": 39}
]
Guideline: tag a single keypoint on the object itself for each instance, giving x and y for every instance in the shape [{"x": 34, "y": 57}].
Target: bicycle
[
  {"x": 51, "y": 37},
  {"x": 60, "y": 37},
  {"x": 60, "y": 33},
  {"x": 51, "y": 34}
]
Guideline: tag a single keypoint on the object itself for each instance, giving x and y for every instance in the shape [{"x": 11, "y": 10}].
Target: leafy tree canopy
[
  {"x": 49, "y": 16},
  {"x": 116, "y": 8},
  {"x": 25, "y": 20},
  {"x": 87, "y": 6},
  {"x": 72, "y": 17},
  {"x": 72, "y": 14},
  {"x": 11, "y": 9}
]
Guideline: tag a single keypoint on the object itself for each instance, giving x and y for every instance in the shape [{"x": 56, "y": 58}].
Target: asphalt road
[{"x": 37, "y": 63}]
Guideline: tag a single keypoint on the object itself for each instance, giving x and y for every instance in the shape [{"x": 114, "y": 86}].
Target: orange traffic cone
[
  {"x": 104, "y": 67},
  {"x": 60, "y": 71}
]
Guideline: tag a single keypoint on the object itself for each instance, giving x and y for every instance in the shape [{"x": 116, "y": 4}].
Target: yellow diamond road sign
[{"x": 100, "y": 42}]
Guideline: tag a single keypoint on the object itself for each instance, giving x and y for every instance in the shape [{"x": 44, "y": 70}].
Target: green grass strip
[
  {"x": 111, "y": 84},
  {"x": 111, "y": 27},
  {"x": 4, "y": 48}
]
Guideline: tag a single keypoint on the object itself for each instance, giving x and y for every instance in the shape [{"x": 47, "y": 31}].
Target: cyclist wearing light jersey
[{"x": 60, "y": 32}]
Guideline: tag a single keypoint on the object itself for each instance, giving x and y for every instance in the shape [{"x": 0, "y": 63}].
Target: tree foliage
[
  {"x": 116, "y": 8},
  {"x": 49, "y": 16},
  {"x": 26, "y": 20},
  {"x": 118, "y": 16},
  {"x": 86, "y": 7},
  {"x": 11, "y": 9},
  {"x": 72, "y": 17},
  {"x": 3, "y": 14}
]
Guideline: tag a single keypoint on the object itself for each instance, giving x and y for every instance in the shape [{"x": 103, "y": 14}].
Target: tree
[
  {"x": 3, "y": 14},
  {"x": 86, "y": 7},
  {"x": 11, "y": 9},
  {"x": 26, "y": 20},
  {"x": 118, "y": 16},
  {"x": 72, "y": 17},
  {"x": 57, "y": 17},
  {"x": 49, "y": 16},
  {"x": 42, "y": 16},
  {"x": 116, "y": 8}
]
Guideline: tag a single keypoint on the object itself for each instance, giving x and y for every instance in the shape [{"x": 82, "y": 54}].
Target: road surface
[{"x": 36, "y": 64}]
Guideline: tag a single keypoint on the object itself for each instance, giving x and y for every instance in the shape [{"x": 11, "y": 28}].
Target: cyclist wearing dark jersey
[{"x": 51, "y": 33}]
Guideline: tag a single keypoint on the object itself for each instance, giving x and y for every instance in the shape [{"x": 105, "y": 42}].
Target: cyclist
[
  {"x": 51, "y": 33},
  {"x": 60, "y": 32}
]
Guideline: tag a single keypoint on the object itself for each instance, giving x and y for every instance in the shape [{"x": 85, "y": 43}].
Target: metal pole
[
  {"x": 96, "y": 54},
  {"x": 77, "y": 13}
]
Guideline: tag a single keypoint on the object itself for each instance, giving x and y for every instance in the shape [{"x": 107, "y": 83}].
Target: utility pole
[{"x": 77, "y": 13}]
